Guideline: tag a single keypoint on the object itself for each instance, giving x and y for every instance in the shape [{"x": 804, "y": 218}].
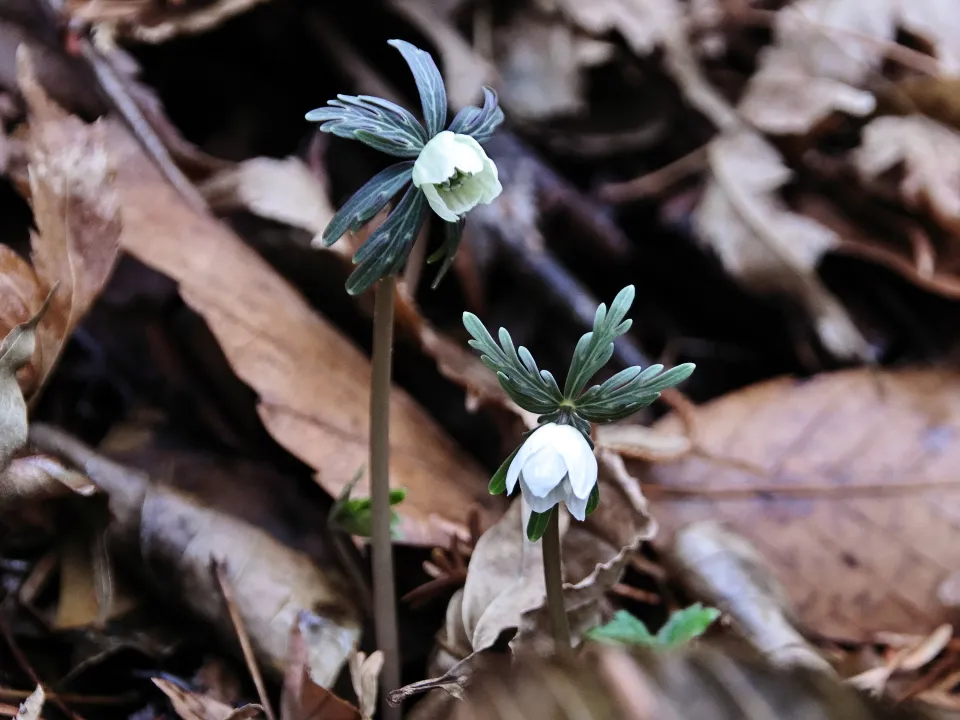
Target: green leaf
[
  {"x": 595, "y": 348},
  {"x": 452, "y": 234},
  {"x": 687, "y": 624},
  {"x": 354, "y": 516},
  {"x": 379, "y": 123},
  {"x": 479, "y": 122},
  {"x": 624, "y": 629},
  {"x": 387, "y": 248},
  {"x": 594, "y": 500},
  {"x": 534, "y": 391},
  {"x": 433, "y": 94},
  {"x": 629, "y": 391},
  {"x": 537, "y": 524},
  {"x": 498, "y": 483},
  {"x": 368, "y": 201}
]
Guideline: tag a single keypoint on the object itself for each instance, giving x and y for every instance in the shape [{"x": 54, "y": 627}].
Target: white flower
[
  {"x": 555, "y": 465},
  {"x": 455, "y": 174}
]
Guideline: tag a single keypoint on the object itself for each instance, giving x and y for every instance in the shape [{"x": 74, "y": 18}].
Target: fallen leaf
[
  {"x": 281, "y": 190},
  {"x": 723, "y": 569},
  {"x": 365, "y": 678},
  {"x": 174, "y": 537},
  {"x": 764, "y": 244},
  {"x": 303, "y": 698},
  {"x": 31, "y": 707},
  {"x": 823, "y": 51},
  {"x": 642, "y": 23},
  {"x": 195, "y": 706},
  {"x": 75, "y": 209},
  {"x": 639, "y": 442},
  {"x": 312, "y": 383},
  {"x": 156, "y": 22},
  {"x": 929, "y": 155},
  {"x": 852, "y": 500},
  {"x": 504, "y": 595}
]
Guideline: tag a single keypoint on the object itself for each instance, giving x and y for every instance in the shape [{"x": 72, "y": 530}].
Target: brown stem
[
  {"x": 384, "y": 592},
  {"x": 553, "y": 576}
]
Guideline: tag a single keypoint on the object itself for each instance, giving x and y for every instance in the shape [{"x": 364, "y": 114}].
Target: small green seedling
[
  {"x": 354, "y": 515},
  {"x": 681, "y": 627}
]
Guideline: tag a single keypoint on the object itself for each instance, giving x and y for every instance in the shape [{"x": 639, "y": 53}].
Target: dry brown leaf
[
  {"x": 365, "y": 678},
  {"x": 313, "y": 384},
  {"x": 929, "y": 154},
  {"x": 154, "y": 21},
  {"x": 725, "y": 571},
  {"x": 853, "y": 501},
  {"x": 824, "y": 50},
  {"x": 75, "y": 209},
  {"x": 195, "y": 706},
  {"x": 504, "y": 594},
  {"x": 303, "y": 698},
  {"x": 638, "y": 442},
  {"x": 31, "y": 707},
  {"x": 764, "y": 244},
  {"x": 16, "y": 351},
  {"x": 642, "y": 23},
  {"x": 174, "y": 537},
  {"x": 281, "y": 190}
]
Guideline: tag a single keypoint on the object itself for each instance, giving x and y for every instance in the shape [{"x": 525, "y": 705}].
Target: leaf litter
[{"x": 831, "y": 136}]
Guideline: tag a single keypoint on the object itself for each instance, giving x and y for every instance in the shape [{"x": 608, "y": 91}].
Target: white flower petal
[
  {"x": 576, "y": 506},
  {"x": 580, "y": 461},
  {"x": 543, "y": 470},
  {"x": 530, "y": 445},
  {"x": 435, "y": 163},
  {"x": 543, "y": 503},
  {"x": 467, "y": 154},
  {"x": 438, "y": 203}
]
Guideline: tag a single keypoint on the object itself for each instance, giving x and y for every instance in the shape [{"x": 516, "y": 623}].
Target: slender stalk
[
  {"x": 553, "y": 576},
  {"x": 384, "y": 592}
]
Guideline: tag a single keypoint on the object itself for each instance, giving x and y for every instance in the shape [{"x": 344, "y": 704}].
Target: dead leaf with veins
[
  {"x": 302, "y": 697},
  {"x": 928, "y": 154},
  {"x": 763, "y": 243},
  {"x": 191, "y": 705}
]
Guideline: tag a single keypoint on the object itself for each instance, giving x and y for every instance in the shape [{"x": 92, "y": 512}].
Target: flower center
[{"x": 456, "y": 180}]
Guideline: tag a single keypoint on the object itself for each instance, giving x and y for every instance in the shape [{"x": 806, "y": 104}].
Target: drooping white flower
[
  {"x": 555, "y": 465},
  {"x": 455, "y": 175}
]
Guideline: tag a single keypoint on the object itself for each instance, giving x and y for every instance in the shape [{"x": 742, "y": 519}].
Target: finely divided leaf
[
  {"x": 433, "y": 94},
  {"x": 628, "y": 391},
  {"x": 479, "y": 122},
  {"x": 368, "y": 201},
  {"x": 381, "y": 124},
  {"x": 595, "y": 348},
  {"x": 535, "y": 392},
  {"x": 388, "y": 246}
]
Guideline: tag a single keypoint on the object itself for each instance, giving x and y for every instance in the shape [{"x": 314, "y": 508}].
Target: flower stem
[
  {"x": 553, "y": 577},
  {"x": 384, "y": 592}
]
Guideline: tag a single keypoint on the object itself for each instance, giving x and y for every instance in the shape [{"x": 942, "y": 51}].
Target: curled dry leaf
[
  {"x": 843, "y": 482},
  {"x": 312, "y": 383},
  {"x": 824, "y": 51},
  {"x": 639, "y": 442},
  {"x": 173, "y": 538},
  {"x": 929, "y": 155},
  {"x": 31, "y": 707},
  {"x": 154, "y": 21},
  {"x": 303, "y": 698},
  {"x": 764, "y": 244},
  {"x": 75, "y": 208},
  {"x": 365, "y": 677},
  {"x": 504, "y": 593},
  {"x": 642, "y": 24},
  {"x": 725, "y": 571},
  {"x": 190, "y": 705},
  {"x": 281, "y": 190}
]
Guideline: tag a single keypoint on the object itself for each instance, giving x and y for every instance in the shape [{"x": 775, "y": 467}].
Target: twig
[
  {"x": 220, "y": 570},
  {"x": 28, "y": 669},
  {"x": 553, "y": 577},
  {"x": 384, "y": 589},
  {"x": 656, "y": 182}
]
